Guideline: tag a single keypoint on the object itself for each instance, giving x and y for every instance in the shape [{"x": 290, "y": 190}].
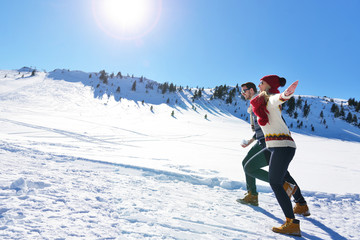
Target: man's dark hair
[{"x": 250, "y": 85}]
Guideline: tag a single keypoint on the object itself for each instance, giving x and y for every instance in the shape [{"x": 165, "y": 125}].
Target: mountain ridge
[{"x": 320, "y": 120}]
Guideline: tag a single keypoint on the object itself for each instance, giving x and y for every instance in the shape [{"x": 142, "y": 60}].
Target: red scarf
[{"x": 259, "y": 108}]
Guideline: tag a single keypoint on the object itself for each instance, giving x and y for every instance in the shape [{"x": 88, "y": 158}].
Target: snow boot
[
  {"x": 290, "y": 189},
  {"x": 249, "y": 199},
  {"x": 301, "y": 209},
  {"x": 290, "y": 227}
]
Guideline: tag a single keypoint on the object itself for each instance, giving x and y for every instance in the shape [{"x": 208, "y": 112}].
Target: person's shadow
[{"x": 332, "y": 234}]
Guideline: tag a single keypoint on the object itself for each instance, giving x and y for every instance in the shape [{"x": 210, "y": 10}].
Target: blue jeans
[{"x": 279, "y": 163}]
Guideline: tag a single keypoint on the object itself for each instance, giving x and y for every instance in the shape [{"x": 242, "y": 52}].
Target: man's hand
[
  {"x": 290, "y": 90},
  {"x": 246, "y": 143}
]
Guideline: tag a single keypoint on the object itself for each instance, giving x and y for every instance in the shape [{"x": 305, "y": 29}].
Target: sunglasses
[{"x": 243, "y": 91}]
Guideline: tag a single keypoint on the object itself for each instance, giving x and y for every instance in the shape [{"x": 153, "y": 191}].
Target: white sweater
[{"x": 276, "y": 132}]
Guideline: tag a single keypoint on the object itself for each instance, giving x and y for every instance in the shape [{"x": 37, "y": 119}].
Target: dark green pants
[{"x": 257, "y": 158}]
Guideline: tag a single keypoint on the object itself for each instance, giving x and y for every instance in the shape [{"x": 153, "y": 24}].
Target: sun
[{"x": 126, "y": 19}]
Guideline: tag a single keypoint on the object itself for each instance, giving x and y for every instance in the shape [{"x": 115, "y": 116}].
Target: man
[{"x": 258, "y": 157}]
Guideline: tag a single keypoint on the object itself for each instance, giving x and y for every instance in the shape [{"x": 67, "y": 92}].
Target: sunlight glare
[
  {"x": 126, "y": 13},
  {"x": 126, "y": 19}
]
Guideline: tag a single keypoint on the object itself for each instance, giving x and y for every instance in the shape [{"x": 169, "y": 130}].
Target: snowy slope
[
  {"x": 84, "y": 162},
  {"x": 147, "y": 91}
]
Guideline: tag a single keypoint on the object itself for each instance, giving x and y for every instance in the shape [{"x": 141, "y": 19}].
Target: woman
[
  {"x": 259, "y": 157},
  {"x": 267, "y": 107}
]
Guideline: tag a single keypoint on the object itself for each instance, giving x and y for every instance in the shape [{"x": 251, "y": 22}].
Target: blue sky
[{"x": 202, "y": 43}]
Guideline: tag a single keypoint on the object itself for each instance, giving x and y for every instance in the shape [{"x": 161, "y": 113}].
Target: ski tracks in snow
[{"x": 67, "y": 134}]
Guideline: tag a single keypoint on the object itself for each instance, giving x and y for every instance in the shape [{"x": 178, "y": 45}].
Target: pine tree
[
  {"x": 172, "y": 88},
  {"x": 164, "y": 87},
  {"x": 299, "y": 102},
  {"x": 33, "y": 72},
  {"x": 229, "y": 100},
  {"x": 351, "y": 102},
  {"x": 220, "y": 91},
  {"x": 355, "y": 120},
  {"x": 306, "y": 109},
  {"x": 290, "y": 106},
  {"x": 349, "y": 117},
  {"x": 337, "y": 114},
  {"x": 172, "y": 113},
  {"x": 296, "y": 115},
  {"x": 342, "y": 112},
  {"x": 103, "y": 76},
  {"x": 149, "y": 85},
  {"x": 358, "y": 107},
  {"x": 322, "y": 114},
  {"x": 133, "y": 88},
  {"x": 335, "y": 110},
  {"x": 118, "y": 90}
]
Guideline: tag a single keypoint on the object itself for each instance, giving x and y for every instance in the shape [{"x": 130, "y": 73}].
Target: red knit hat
[{"x": 273, "y": 81}]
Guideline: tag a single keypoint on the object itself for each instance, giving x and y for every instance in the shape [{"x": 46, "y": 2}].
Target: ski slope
[{"x": 76, "y": 164}]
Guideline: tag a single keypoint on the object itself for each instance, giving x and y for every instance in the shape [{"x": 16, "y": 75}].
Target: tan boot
[
  {"x": 290, "y": 189},
  {"x": 290, "y": 227},
  {"x": 301, "y": 209},
  {"x": 249, "y": 199}
]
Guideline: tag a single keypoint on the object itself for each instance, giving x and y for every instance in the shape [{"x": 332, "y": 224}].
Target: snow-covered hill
[
  {"x": 82, "y": 160},
  {"x": 319, "y": 122}
]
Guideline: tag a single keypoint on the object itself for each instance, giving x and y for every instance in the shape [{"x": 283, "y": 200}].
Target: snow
[{"x": 81, "y": 162}]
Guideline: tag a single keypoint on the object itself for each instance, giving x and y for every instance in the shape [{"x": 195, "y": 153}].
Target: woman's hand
[{"x": 290, "y": 90}]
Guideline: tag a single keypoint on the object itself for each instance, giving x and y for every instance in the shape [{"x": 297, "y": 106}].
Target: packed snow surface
[{"x": 76, "y": 164}]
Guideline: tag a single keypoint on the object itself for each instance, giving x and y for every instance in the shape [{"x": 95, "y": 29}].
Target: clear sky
[{"x": 193, "y": 43}]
